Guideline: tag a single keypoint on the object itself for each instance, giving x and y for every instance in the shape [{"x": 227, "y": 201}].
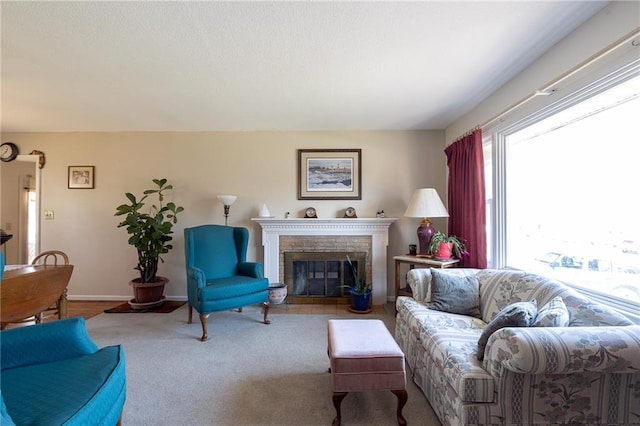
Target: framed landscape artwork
[
  {"x": 329, "y": 174},
  {"x": 81, "y": 177}
]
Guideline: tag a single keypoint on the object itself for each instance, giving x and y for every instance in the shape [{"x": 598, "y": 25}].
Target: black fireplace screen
[{"x": 310, "y": 274}]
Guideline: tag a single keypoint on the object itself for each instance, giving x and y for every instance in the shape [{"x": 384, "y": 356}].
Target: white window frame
[{"x": 584, "y": 85}]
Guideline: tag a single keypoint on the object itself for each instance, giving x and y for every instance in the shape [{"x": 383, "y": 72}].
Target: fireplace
[
  {"x": 322, "y": 277},
  {"x": 358, "y": 235}
]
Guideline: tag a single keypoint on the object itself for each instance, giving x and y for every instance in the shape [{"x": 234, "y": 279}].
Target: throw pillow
[
  {"x": 521, "y": 314},
  {"x": 455, "y": 294},
  {"x": 553, "y": 314}
]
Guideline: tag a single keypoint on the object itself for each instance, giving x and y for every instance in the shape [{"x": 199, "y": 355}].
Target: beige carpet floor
[{"x": 248, "y": 373}]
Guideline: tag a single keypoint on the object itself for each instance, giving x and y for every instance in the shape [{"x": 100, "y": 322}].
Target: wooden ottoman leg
[
  {"x": 402, "y": 400},
  {"x": 337, "y": 401}
]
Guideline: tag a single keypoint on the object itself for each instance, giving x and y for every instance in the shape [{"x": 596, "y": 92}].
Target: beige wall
[{"x": 258, "y": 167}]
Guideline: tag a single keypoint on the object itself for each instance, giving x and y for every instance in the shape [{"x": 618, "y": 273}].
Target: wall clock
[
  {"x": 310, "y": 213},
  {"x": 350, "y": 213},
  {"x": 8, "y": 151}
]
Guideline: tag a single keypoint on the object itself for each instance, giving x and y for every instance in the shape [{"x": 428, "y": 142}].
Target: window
[{"x": 565, "y": 201}]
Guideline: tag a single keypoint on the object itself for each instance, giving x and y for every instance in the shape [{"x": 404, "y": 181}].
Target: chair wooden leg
[
  {"x": 267, "y": 305},
  {"x": 402, "y": 400},
  {"x": 240, "y": 309},
  {"x": 62, "y": 305},
  {"x": 337, "y": 401},
  {"x": 190, "y": 320},
  {"x": 203, "y": 320}
]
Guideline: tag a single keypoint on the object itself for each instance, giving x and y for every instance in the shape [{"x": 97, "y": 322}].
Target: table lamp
[
  {"x": 424, "y": 203},
  {"x": 226, "y": 200}
]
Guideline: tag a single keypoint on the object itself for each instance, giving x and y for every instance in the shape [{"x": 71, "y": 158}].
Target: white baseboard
[{"x": 93, "y": 297}]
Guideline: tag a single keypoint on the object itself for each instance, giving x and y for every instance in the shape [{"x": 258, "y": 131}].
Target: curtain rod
[{"x": 547, "y": 89}]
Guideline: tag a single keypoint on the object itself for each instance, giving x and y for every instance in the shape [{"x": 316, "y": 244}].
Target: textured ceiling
[{"x": 242, "y": 66}]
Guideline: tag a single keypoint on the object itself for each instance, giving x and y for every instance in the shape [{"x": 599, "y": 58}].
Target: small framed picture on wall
[{"x": 81, "y": 177}]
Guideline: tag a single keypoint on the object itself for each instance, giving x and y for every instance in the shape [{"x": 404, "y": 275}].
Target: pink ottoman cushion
[{"x": 364, "y": 356}]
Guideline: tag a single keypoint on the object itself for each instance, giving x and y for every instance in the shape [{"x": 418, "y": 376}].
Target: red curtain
[{"x": 466, "y": 193}]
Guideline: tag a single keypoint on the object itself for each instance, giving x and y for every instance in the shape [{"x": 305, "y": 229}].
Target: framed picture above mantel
[{"x": 329, "y": 174}]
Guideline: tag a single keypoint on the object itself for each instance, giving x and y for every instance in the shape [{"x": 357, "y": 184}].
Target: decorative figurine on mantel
[{"x": 264, "y": 211}]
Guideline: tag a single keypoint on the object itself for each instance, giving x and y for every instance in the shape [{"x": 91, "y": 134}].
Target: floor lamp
[
  {"x": 226, "y": 200},
  {"x": 425, "y": 203}
]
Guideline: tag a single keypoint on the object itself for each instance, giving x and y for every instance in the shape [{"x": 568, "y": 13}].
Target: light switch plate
[{"x": 48, "y": 214}]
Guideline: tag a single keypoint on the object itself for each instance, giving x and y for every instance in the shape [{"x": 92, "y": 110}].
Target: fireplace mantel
[{"x": 376, "y": 228}]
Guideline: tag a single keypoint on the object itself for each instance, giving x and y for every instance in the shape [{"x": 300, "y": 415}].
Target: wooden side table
[{"x": 413, "y": 261}]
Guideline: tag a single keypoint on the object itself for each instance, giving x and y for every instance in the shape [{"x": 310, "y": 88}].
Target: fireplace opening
[{"x": 322, "y": 277}]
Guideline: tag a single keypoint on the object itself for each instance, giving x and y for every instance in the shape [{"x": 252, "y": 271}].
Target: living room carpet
[
  {"x": 167, "y": 307},
  {"x": 247, "y": 373}
]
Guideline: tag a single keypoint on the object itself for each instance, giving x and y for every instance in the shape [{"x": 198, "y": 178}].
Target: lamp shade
[
  {"x": 227, "y": 200},
  {"x": 424, "y": 203}
]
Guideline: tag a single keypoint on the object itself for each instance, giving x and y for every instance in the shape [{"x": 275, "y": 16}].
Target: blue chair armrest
[
  {"x": 196, "y": 276},
  {"x": 43, "y": 343},
  {"x": 251, "y": 269}
]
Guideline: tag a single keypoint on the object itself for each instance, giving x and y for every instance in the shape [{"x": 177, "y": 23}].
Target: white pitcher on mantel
[{"x": 264, "y": 211}]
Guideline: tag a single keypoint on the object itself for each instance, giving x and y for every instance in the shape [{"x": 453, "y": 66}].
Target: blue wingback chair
[
  {"x": 218, "y": 276},
  {"x": 54, "y": 374}
]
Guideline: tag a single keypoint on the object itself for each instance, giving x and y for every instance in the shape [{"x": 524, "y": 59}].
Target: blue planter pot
[{"x": 360, "y": 302}]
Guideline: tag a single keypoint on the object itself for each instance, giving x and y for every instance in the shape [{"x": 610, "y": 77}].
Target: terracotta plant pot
[{"x": 147, "y": 295}]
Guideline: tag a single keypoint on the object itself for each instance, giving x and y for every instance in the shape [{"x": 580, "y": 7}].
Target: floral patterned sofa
[{"x": 585, "y": 373}]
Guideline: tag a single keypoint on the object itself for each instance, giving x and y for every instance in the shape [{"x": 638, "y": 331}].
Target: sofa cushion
[
  {"x": 553, "y": 314},
  {"x": 454, "y": 294},
  {"x": 419, "y": 280},
  {"x": 235, "y": 286},
  {"x": 5, "y": 418},
  {"x": 521, "y": 314},
  {"x": 74, "y": 391}
]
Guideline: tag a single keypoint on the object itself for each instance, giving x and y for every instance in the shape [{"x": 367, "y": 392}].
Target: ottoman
[{"x": 365, "y": 357}]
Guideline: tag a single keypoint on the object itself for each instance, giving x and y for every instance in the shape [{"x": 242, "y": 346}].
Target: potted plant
[
  {"x": 360, "y": 292},
  {"x": 150, "y": 233},
  {"x": 443, "y": 246}
]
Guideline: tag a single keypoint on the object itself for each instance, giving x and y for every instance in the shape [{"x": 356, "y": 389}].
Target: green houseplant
[
  {"x": 150, "y": 233},
  {"x": 443, "y": 246},
  {"x": 360, "y": 291}
]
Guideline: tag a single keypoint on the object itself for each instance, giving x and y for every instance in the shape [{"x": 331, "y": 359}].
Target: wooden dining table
[{"x": 28, "y": 290}]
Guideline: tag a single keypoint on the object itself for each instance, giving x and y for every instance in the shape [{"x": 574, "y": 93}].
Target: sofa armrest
[
  {"x": 42, "y": 343},
  {"x": 251, "y": 269},
  {"x": 419, "y": 280},
  {"x": 563, "y": 350}
]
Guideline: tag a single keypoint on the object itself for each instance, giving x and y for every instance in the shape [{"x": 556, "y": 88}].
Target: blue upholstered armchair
[
  {"x": 54, "y": 374},
  {"x": 218, "y": 276}
]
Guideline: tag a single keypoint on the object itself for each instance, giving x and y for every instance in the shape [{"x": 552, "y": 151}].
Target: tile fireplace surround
[{"x": 376, "y": 228}]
